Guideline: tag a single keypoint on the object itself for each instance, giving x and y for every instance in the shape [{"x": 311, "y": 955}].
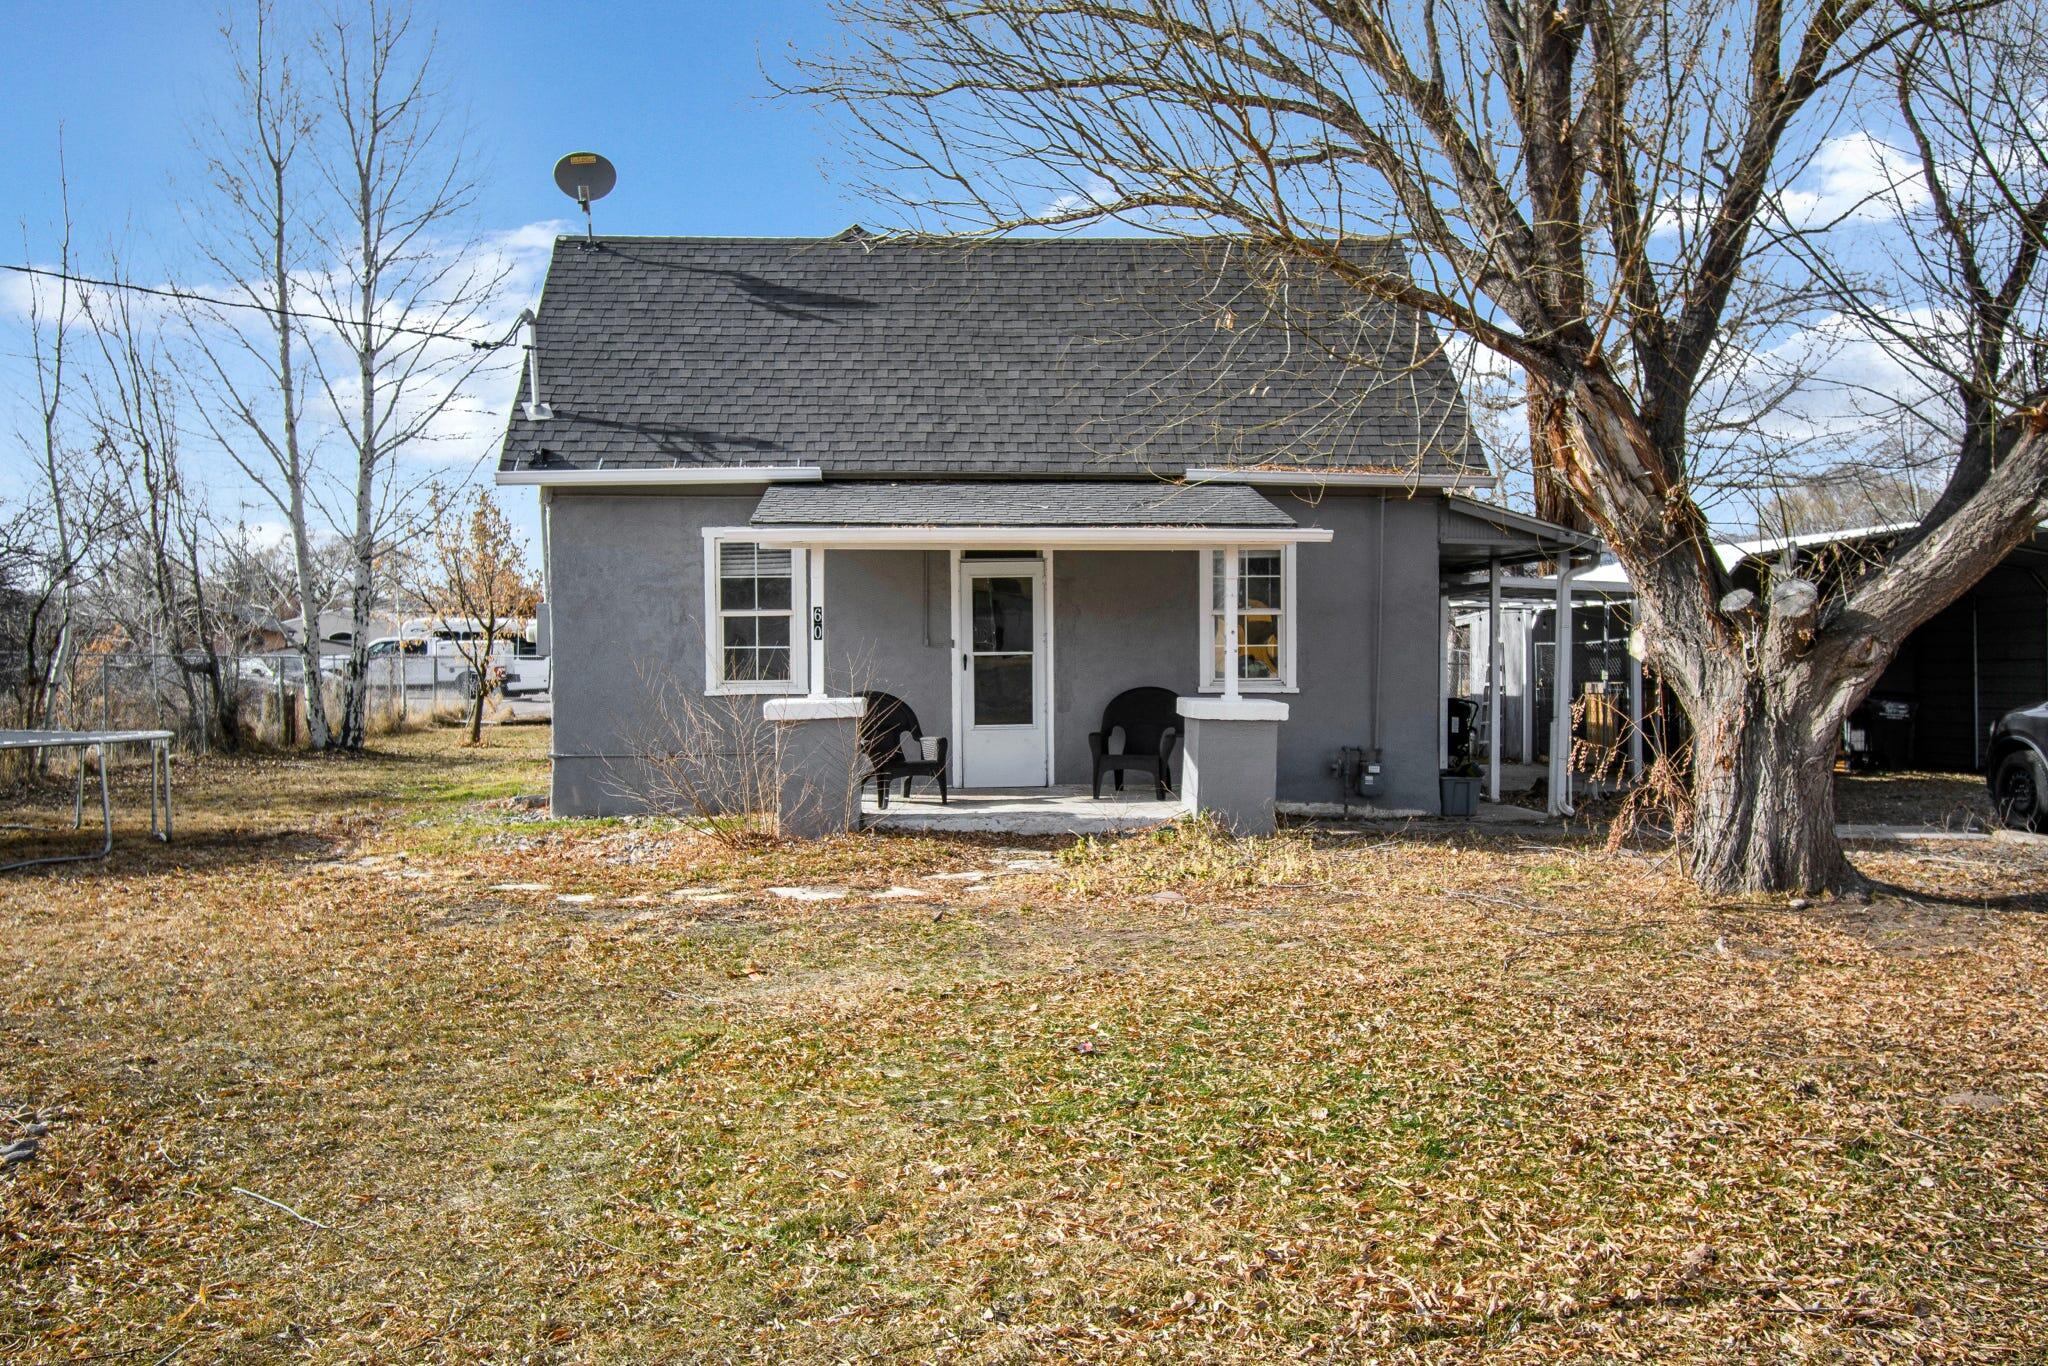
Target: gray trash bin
[{"x": 1460, "y": 795}]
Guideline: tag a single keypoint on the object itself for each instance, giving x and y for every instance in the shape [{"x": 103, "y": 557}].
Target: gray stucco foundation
[
  {"x": 1232, "y": 760},
  {"x": 817, "y": 790}
]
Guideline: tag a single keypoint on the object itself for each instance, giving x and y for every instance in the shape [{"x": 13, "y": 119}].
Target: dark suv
[{"x": 2017, "y": 768}]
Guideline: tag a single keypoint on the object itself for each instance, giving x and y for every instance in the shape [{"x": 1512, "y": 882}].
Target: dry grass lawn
[{"x": 563, "y": 1092}]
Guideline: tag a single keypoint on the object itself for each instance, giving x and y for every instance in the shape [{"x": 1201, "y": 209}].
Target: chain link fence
[{"x": 126, "y": 690}]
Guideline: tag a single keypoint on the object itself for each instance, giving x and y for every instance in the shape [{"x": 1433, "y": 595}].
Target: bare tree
[
  {"x": 478, "y": 581},
  {"x": 252, "y": 230},
  {"x": 48, "y": 641},
  {"x": 165, "y": 601},
  {"x": 400, "y": 285},
  {"x": 1591, "y": 189}
]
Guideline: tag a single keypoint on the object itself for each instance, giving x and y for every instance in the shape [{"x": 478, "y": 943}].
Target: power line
[{"x": 191, "y": 296}]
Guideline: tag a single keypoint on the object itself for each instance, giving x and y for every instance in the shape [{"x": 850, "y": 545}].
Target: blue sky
[{"x": 672, "y": 93}]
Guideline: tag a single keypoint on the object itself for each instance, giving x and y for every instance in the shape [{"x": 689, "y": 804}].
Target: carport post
[
  {"x": 1443, "y": 681},
  {"x": 1560, "y": 803},
  {"x": 1493, "y": 663}
]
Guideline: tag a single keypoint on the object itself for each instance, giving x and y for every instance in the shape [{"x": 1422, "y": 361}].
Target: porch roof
[{"x": 1035, "y": 514}]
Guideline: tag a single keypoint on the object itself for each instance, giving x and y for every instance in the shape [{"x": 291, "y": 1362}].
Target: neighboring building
[
  {"x": 1977, "y": 659},
  {"x": 1004, "y": 482},
  {"x": 1971, "y": 663}
]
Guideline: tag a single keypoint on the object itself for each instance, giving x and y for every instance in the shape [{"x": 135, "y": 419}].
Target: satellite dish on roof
[{"x": 584, "y": 176}]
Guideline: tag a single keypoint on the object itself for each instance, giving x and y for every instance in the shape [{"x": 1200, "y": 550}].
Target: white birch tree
[
  {"x": 252, "y": 226},
  {"x": 400, "y": 283}
]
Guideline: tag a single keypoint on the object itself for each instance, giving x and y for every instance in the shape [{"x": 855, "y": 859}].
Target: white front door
[{"x": 1002, "y": 673}]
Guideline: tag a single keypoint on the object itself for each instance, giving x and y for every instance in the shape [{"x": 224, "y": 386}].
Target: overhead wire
[{"x": 210, "y": 301}]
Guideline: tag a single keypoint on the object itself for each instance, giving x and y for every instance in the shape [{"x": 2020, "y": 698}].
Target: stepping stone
[
  {"x": 808, "y": 893},
  {"x": 700, "y": 894},
  {"x": 1983, "y": 1101},
  {"x": 576, "y": 898},
  {"x": 900, "y": 894},
  {"x": 519, "y": 886},
  {"x": 1033, "y": 865},
  {"x": 955, "y": 877}
]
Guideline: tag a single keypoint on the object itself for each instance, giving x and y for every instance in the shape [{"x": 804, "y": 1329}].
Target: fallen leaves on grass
[{"x": 1175, "y": 1096}]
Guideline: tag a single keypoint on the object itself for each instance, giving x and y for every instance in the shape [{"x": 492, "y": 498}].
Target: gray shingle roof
[
  {"x": 1079, "y": 357},
  {"x": 1077, "y": 504}
]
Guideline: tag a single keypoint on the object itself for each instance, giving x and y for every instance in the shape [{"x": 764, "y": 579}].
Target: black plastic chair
[
  {"x": 883, "y": 725},
  {"x": 1151, "y": 730}
]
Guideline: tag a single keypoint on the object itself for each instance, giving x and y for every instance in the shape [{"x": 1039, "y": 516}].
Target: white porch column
[
  {"x": 1230, "y": 612},
  {"x": 1493, "y": 663},
  {"x": 814, "y": 625},
  {"x": 1560, "y": 803}
]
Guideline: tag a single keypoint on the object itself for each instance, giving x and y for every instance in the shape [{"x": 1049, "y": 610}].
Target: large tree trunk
[
  {"x": 1764, "y": 788},
  {"x": 1766, "y": 706}
]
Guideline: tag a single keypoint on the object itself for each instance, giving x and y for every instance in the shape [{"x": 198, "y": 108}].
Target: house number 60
[{"x": 817, "y": 623}]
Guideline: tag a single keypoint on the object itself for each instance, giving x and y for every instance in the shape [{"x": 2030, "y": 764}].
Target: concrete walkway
[{"x": 1021, "y": 811}]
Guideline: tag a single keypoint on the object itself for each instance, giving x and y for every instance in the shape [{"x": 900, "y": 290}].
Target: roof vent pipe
[{"x": 533, "y": 408}]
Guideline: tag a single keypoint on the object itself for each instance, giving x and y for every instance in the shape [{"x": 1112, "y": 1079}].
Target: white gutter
[
  {"x": 1307, "y": 477},
  {"x": 675, "y": 476},
  {"x": 1032, "y": 537}
]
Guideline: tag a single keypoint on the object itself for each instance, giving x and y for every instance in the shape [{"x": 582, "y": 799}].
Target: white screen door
[{"x": 1002, "y": 673}]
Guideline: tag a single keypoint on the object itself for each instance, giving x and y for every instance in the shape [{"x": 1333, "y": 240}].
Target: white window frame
[
  {"x": 1205, "y": 644},
  {"x": 715, "y": 682}
]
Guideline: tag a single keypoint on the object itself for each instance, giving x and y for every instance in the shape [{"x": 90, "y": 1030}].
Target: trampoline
[{"x": 99, "y": 742}]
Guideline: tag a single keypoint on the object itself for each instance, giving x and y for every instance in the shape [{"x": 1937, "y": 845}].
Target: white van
[{"x": 429, "y": 651}]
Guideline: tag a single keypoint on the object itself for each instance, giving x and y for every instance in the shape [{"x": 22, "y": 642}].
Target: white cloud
[
  {"x": 1857, "y": 177},
  {"x": 1095, "y": 193}
]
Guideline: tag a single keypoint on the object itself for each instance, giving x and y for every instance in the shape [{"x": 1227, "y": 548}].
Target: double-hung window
[
  {"x": 754, "y": 602},
  {"x": 1265, "y": 621}
]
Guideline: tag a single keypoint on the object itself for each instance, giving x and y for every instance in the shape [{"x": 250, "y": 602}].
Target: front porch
[
  {"x": 1063, "y": 810},
  {"x": 1015, "y": 636}
]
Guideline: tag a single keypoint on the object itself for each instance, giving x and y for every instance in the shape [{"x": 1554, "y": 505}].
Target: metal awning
[
  {"x": 1072, "y": 514},
  {"x": 1471, "y": 535}
]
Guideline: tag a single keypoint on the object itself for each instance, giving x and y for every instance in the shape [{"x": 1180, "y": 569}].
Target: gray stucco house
[{"x": 1004, "y": 482}]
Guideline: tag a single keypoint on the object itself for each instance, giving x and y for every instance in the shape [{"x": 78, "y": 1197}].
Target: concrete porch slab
[{"x": 1021, "y": 811}]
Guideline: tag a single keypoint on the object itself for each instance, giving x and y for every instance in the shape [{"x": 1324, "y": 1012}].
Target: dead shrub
[
  {"x": 707, "y": 761},
  {"x": 1194, "y": 851}
]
